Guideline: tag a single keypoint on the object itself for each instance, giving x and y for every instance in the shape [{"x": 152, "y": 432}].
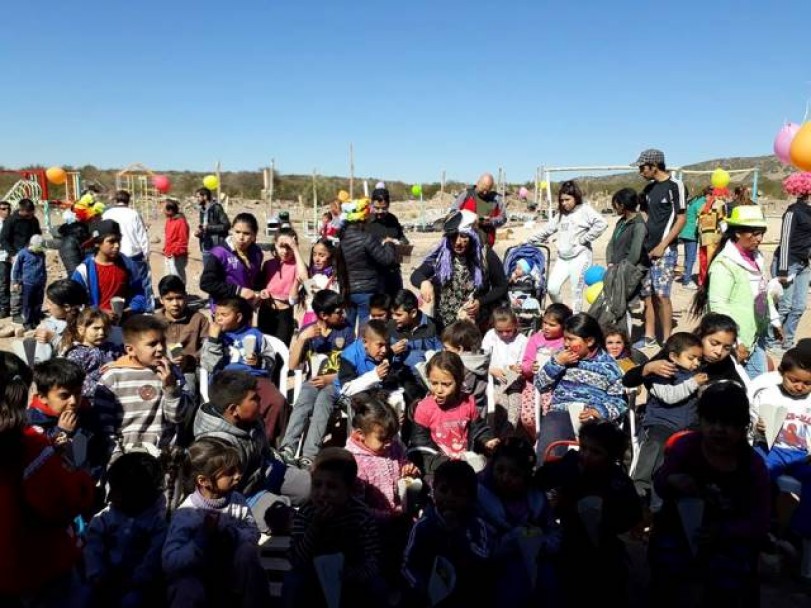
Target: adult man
[
  {"x": 15, "y": 235},
  {"x": 214, "y": 223},
  {"x": 487, "y": 204},
  {"x": 134, "y": 240},
  {"x": 385, "y": 226},
  {"x": 664, "y": 202}
]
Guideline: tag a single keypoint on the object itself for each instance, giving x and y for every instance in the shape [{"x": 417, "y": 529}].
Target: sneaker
[
  {"x": 288, "y": 454},
  {"x": 304, "y": 463},
  {"x": 691, "y": 286},
  {"x": 646, "y": 342}
]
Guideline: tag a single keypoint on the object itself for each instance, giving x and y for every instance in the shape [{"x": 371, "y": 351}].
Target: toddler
[
  {"x": 85, "y": 342},
  {"x": 619, "y": 347},
  {"x": 29, "y": 276},
  {"x": 211, "y": 555}
]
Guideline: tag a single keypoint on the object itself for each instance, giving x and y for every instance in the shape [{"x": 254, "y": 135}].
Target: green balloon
[{"x": 416, "y": 190}]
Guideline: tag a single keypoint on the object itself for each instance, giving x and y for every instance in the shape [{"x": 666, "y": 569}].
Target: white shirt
[
  {"x": 795, "y": 433},
  {"x": 503, "y": 354},
  {"x": 134, "y": 236}
]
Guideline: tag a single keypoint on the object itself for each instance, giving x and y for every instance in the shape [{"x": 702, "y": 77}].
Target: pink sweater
[
  {"x": 378, "y": 475},
  {"x": 537, "y": 342}
]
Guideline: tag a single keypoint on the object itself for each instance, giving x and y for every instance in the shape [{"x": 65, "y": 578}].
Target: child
[
  {"x": 58, "y": 411},
  {"x": 506, "y": 348},
  {"x": 85, "y": 342},
  {"x": 523, "y": 270},
  {"x": 29, "y": 276},
  {"x": 727, "y": 486},
  {"x": 325, "y": 271},
  {"x": 185, "y": 330},
  {"x": 176, "y": 241},
  {"x": 413, "y": 333},
  {"x": 122, "y": 551},
  {"x": 537, "y": 352},
  {"x": 619, "y": 347},
  {"x": 233, "y": 344},
  {"x": 365, "y": 364},
  {"x": 671, "y": 405},
  {"x": 447, "y": 424},
  {"x": 108, "y": 274},
  {"x": 596, "y": 502},
  {"x": 323, "y": 341},
  {"x": 449, "y": 534},
  {"x": 333, "y": 522},
  {"x": 41, "y": 496},
  {"x": 282, "y": 277},
  {"x": 65, "y": 300},
  {"x": 789, "y": 387},
  {"x": 577, "y": 225},
  {"x": 211, "y": 554},
  {"x": 582, "y": 377},
  {"x": 465, "y": 339},
  {"x": 380, "y": 307},
  {"x": 138, "y": 396},
  {"x": 515, "y": 512}
]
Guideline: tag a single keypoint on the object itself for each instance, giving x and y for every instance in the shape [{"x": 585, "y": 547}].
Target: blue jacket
[
  {"x": 420, "y": 339},
  {"x": 354, "y": 363},
  {"x": 29, "y": 268},
  {"x": 85, "y": 275},
  {"x": 679, "y": 412}
]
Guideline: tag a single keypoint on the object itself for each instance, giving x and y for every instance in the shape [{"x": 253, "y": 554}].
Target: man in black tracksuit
[{"x": 14, "y": 237}]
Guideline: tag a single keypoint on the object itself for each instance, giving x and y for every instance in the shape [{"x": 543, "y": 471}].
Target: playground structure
[
  {"x": 33, "y": 184},
  {"x": 137, "y": 179}
]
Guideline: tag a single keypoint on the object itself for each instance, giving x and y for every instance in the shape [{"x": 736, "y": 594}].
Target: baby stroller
[{"x": 527, "y": 292}]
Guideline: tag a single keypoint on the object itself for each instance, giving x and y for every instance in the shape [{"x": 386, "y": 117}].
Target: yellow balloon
[
  {"x": 593, "y": 291},
  {"x": 544, "y": 185},
  {"x": 56, "y": 175},
  {"x": 720, "y": 178},
  {"x": 800, "y": 151},
  {"x": 211, "y": 182},
  {"x": 343, "y": 196}
]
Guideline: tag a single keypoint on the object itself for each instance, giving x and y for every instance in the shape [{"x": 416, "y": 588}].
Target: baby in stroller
[{"x": 525, "y": 265}]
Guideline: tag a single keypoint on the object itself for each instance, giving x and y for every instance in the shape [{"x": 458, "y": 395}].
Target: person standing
[
  {"x": 14, "y": 237},
  {"x": 176, "y": 241},
  {"x": 664, "y": 201},
  {"x": 214, "y": 223},
  {"x": 483, "y": 200},
  {"x": 385, "y": 225},
  {"x": 688, "y": 237},
  {"x": 134, "y": 240}
]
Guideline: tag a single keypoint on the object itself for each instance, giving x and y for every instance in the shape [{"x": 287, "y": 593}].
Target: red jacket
[
  {"x": 176, "y": 241},
  {"x": 40, "y": 497}
]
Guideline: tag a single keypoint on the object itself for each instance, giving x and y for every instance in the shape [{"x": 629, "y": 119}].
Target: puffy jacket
[
  {"x": 29, "y": 268},
  {"x": 217, "y": 226},
  {"x": 225, "y": 273},
  {"x": 85, "y": 275},
  {"x": 17, "y": 232},
  {"x": 72, "y": 236},
  {"x": 365, "y": 257},
  {"x": 176, "y": 241}
]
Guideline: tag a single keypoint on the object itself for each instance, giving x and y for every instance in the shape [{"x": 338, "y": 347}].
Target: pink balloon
[
  {"x": 782, "y": 143},
  {"x": 523, "y": 192},
  {"x": 162, "y": 183}
]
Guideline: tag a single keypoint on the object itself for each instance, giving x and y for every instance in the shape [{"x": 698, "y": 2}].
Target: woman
[
  {"x": 384, "y": 225},
  {"x": 234, "y": 268},
  {"x": 710, "y": 229},
  {"x": 282, "y": 277},
  {"x": 688, "y": 237},
  {"x": 735, "y": 286},
  {"x": 629, "y": 232},
  {"x": 459, "y": 276},
  {"x": 366, "y": 259}
]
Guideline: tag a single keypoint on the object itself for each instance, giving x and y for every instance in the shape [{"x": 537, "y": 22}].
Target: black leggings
[{"x": 279, "y": 323}]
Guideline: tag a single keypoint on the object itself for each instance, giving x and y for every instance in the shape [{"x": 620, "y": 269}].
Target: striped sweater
[
  {"x": 596, "y": 381},
  {"x": 133, "y": 405}
]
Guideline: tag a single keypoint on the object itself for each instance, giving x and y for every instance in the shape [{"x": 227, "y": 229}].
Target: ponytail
[
  {"x": 700, "y": 303},
  {"x": 15, "y": 380}
]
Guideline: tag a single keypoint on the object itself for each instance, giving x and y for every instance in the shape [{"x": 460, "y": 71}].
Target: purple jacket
[{"x": 224, "y": 273}]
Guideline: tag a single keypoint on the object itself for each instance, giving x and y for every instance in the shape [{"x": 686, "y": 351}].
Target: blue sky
[{"x": 417, "y": 86}]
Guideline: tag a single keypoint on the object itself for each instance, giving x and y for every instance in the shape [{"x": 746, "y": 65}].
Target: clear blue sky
[{"x": 417, "y": 86}]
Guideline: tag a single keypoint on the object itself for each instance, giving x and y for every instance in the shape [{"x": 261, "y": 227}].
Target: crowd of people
[{"x": 147, "y": 445}]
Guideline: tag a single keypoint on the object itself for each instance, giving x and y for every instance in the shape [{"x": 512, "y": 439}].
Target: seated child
[
  {"x": 65, "y": 299},
  {"x": 321, "y": 343},
  {"x": 58, "y": 411},
  {"x": 465, "y": 339},
  {"x": 596, "y": 502},
  {"x": 85, "y": 342},
  {"x": 506, "y": 348},
  {"x": 123, "y": 543},
  {"x": 333, "y": 522},
  {"x": 582, "y": 377},
  {"x": 789, "y": 387},
  {"x": 185, "y": 330},
  {"x": 365, "y": 363},
  {"x": 413, "y": 333},
  {"x": 522, "y": 272},
  {"x": 232, "y": 415},
  {"x": 380, "y": 307},
  {"x": 323, "y": 274},
  {"x": 447, "y": 424},
  {"x": 671, "y": 405},
  {"x": 138, "y": 397},
  {"x": 449, "y": 535},
  {"x": 107, "y": 273},
  {"x": 728, "y": 485},
  {"x": 518, "y": 516},
  {"x": 539, "y": 349},
  {"x": 619, "y": 346},
  {"x": 28, "y": 277},
  {"x": 234, "y": 345},
  {"x": 211, "y": 555}
]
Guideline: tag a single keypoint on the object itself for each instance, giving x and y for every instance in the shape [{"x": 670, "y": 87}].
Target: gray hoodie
[{"x": 477, "y": 367}]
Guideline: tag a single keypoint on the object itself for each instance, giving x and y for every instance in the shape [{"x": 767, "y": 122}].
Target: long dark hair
[
  {"x": 338, "y": 266},
  {"x": 15, "y": 379},
  {"x": 570, "y": 188}
]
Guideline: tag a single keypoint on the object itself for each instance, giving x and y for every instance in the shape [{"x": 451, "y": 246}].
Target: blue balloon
[{"x": 594, "y": 275}]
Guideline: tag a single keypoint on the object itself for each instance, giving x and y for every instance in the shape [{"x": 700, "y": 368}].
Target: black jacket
[
  {"x": 626, "y": 242},
  {"x": 17, "y": 232},
  {"x": 72, "y": 236},
  {"x": 365, "y": 257},
  {"x": 217, "y": 227},
  {"x": 795, "y": 238},
  {"x": 386, "y": 227}
]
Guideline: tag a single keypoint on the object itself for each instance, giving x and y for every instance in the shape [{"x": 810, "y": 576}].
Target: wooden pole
[
  {"x": 315, "y": 208},
  {"x": 271, "y": 183},
  {"x": 351, "y": 172},
  {"x": 442, "y": 184},
  {"x": 219, "y": 182},
  {"x": 537, "y": 186}
]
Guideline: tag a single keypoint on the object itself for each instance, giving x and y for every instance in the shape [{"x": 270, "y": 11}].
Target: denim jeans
[
  {"x": 145, "y": 277},
  {"x": 785, "y": 461},
  {"x": 792, "y": 305},
  {"x": 757, "y": 365},
  {"x": 690, "y": 249},
  {"x": 358, "y": 309},
  {"x": 314, "y": 405}
]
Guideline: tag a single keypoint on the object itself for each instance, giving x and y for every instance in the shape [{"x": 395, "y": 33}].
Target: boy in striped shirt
[{"x": 138, "y": 397}]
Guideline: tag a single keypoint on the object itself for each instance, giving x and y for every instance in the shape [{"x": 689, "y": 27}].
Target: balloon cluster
[
  {"x": 593, "y": 278},
  {"x": 719, "y": 179},
  {"x": 87, "y": 207},
  {"x": 792, "y": 145},
  {"x": 798, "y": 184}
]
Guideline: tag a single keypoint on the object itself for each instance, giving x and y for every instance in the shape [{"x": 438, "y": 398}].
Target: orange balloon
[
  {"x": 801, "y": 148},
  {"x": 56, "y": 175}
]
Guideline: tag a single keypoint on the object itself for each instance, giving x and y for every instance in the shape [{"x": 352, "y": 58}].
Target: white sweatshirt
[
  {"x": 576, "y": 231},
  {"x": 134, "y": 235},
  {"x": 795, "y": 434}
]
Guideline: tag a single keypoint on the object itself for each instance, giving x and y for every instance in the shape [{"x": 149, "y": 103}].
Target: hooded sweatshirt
[
  {"x": 576, "y": 230},
  {"x": 378, "y": 474},
  {"x": 477, "y": 366}
]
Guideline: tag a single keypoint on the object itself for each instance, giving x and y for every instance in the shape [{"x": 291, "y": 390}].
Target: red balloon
[{"x": 162, "y": 183}]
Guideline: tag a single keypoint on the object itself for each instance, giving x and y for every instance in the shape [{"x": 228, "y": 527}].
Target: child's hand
[
  {"x": 701, "y": 379},
  {"x": 43, "y": 335},
  {"x": 383, "y": 369},
  {"x": 742, "y": 354},
  {"x": 164, "y": 371},
  {"x": 536, "y": 367},
  {"x": 566, "y": 357},
  {"x": 589, "y": 413},
  {"x": 683, "y": 484},
  {"x": 67, "y": 420},
  {"x": 498, "y": 374},
  {"x": 251, "y": 359},
  {"x": 214, "y": 330},
  {"x": 310, "y": 333},
  {"x": 409, "y": 469},
  {"x": 491, "y": 445},
  {"x": 320, "y": 381},
  {"x": 399, "y": 347},
  {"x": 760, "y": 426}
]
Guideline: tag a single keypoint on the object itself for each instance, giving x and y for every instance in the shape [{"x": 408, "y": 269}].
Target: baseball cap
[
  {"x": 651, "y": 156},
  {"x": 101, "y": 229}
]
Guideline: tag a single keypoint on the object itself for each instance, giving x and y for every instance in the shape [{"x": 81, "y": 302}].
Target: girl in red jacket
[
  {"x": 40, "y": 496},
  {"x": 176, "y": 241}
]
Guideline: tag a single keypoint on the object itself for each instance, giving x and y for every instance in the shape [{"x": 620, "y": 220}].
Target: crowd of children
[{"x": 475, "y": 469}]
